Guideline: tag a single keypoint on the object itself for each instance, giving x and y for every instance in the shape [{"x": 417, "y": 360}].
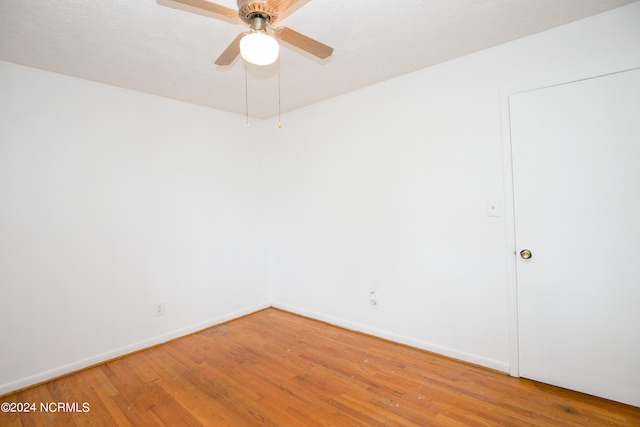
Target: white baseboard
[
  {"x": 412, "y": 342},
  {"x": 123, "y": 351}
]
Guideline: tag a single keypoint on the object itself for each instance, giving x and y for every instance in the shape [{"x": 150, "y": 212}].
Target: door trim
[{"x": 509, "y": 207}]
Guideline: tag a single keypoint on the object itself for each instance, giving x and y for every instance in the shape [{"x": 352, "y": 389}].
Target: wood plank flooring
[{"x": 274, "y": 368}]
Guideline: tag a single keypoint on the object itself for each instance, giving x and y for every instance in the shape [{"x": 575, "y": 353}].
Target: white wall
[
  {"x": 386, "y": 189},
  {"x": 110, "y": 201}
]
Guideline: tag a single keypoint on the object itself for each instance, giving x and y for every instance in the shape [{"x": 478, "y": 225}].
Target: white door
[{"x": 576, "y": 171}]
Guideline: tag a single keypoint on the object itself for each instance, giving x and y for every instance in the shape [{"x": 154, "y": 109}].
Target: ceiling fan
[{"x": 258, "y": 45}]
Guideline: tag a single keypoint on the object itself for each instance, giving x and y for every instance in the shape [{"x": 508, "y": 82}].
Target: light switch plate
[{"x": 493, "y": 208}]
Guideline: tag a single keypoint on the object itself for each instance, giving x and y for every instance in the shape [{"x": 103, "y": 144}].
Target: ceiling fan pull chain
[
  {"x": 246, "y": 91},
  {"x": 279, "y": 97}
]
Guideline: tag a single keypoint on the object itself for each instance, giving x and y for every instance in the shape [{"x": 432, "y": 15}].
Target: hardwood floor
[{"x": 277, "y": 369}]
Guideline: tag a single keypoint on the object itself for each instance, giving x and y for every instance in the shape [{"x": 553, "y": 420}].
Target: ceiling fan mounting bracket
[{"x": 250, "y": 9}]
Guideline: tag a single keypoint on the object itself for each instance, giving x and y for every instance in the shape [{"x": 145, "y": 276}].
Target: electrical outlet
[{"x": 158, "y": 309}]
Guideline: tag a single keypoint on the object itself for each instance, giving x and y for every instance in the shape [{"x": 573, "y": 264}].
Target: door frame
[{"x": 509, "y": 206}]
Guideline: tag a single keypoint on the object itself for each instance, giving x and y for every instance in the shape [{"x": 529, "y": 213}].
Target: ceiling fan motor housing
[{"x": 250, "y": 9}]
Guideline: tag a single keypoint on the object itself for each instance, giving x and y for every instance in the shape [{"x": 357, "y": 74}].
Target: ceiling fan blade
[
  {"x": 231, "y": 52},
  {"x": 281, "y": 5},
  {"x": 210, "y": 7},
  {"x": 285, "y": 8},
  {"x": 303, "y": 42}
]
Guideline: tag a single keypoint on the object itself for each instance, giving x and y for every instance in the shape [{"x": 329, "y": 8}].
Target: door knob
[{"x": 525, "y": 254}]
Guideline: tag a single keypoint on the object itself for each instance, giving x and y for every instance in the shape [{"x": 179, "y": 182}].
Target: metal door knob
[{"x": 525, "y": 254}]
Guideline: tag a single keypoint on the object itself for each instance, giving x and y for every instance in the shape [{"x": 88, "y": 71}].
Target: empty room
[{"x": 320, "y": 212}]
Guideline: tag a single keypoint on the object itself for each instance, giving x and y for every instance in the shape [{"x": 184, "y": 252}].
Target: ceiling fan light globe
[{"x": 259, "y": 48}]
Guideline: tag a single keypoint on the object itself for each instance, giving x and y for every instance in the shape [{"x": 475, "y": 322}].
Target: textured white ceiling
[{"x": 168, "y": 49}]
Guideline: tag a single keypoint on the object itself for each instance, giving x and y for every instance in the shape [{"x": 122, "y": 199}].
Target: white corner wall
[
  {"x": 386, "y": 190},
  {"x": 113, "y": 200},
  {"x": 110, "y": 201}
]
